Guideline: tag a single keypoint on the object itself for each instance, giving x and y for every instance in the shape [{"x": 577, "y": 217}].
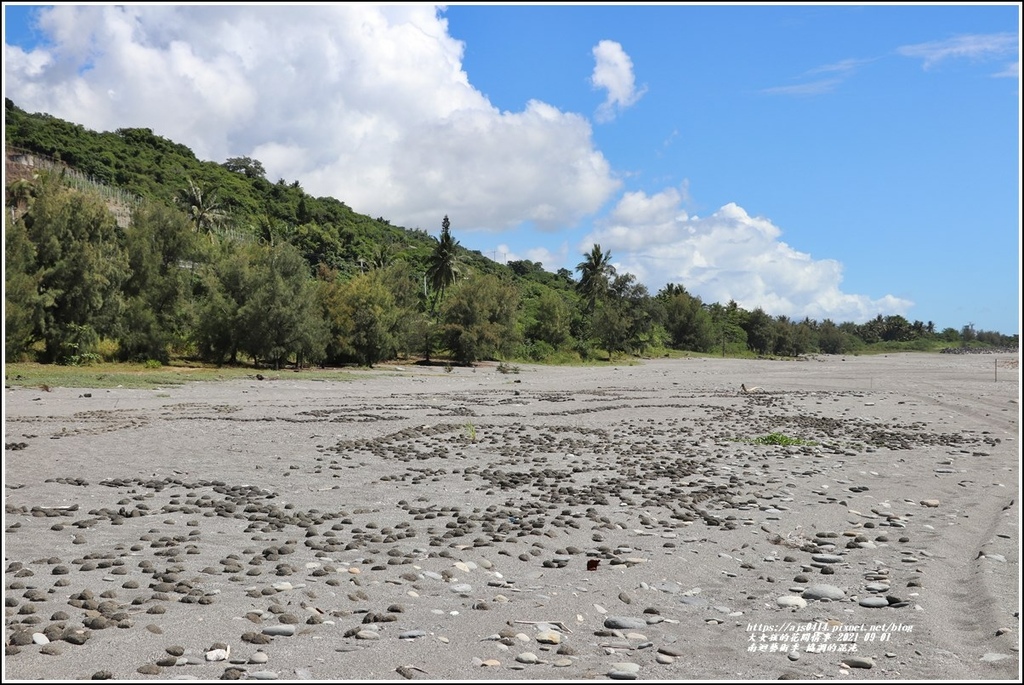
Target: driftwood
[
  {"x": 557, "y": 624},
  {"x": 411, "y": 672}
]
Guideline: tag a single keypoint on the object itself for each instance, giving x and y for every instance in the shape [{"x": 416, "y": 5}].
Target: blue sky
[{"x": 830, "y": 161}]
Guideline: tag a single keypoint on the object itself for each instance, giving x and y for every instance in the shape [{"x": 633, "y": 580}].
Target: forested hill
[
  {"x": 166, "y": 256},
  {"x": 142, "y": 164}
]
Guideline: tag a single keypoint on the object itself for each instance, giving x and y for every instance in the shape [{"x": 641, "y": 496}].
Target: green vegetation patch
[
  {"x": 126, "y": 375},
  {"x": 781, "y": 439}
]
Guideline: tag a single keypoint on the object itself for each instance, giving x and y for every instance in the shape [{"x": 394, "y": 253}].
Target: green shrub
[
  {"x": 107, "y": 349},
  {"x": 506, "y": 368}
]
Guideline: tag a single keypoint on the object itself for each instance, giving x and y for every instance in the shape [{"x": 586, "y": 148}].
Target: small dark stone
[
  {"x": 20, "y": 638},
  {"x": 256, "y": 638},
  {"x": 76, "y": 638}
]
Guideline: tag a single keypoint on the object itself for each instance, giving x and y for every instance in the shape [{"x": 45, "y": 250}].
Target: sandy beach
[{"x": 851, "y": 518}]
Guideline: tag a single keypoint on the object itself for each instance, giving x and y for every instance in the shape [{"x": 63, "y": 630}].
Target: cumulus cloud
[
  {"x": 973, "y": 46},
  {"x": 613, "y": 71},
  {"x": 728, "y": 255},
  {"x": 548, "y": 258},
  {"x": 366, "y": 103}
]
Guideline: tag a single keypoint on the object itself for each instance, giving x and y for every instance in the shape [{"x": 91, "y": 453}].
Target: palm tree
[
  {"x": 596, "y": 272},
  {"x": 671, "y": 290},
  {"x": 443, "y": 265},
  {"x": 202, "y": 209},
  {"x": 270, "y": 230},
  {"x": 20, "y": 194},
  {"x": 382, "y": 255}
]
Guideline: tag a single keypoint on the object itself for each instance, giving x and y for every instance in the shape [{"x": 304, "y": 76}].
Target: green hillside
[
  {"x": 154, "y": 168},
  {"x": 123, "y": 246}
]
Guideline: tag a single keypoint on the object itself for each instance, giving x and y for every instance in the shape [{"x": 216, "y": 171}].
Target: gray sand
[{"x": 548, "y": 524}]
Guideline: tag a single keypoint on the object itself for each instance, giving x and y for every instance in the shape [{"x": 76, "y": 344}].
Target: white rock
[
  {"x": 791, "y": 601},
  {"x": 549, "y": 637},
  {"x": 262, "y": 675}
]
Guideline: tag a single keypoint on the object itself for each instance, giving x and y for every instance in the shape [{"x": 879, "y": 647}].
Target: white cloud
[
  {"x": 365, "y": 103},
  {"x": 728, "y": 255},
  {"x": 27, "y": 64},
  {"x": 841, "y": 71},
  {"x": 551, "y": 260},
  {"x": 973, "y": 47},
  {"x": 1011, "y": 70},
  {"x": 846, "y": 66},
  {"x": 613, "y": 71},
  {"x": 811, "y": 88}
]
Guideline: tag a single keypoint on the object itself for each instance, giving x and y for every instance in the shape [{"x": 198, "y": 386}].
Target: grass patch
[
  {"x": 780, "y": 439},
  {"x": 507, "y": 368},
  {"x": 125, "y": 375}
]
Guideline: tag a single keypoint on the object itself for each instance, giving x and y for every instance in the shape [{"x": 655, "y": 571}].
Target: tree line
[
  {"x": 175, "y": 283},
  {"x": 216, "y": 262}
]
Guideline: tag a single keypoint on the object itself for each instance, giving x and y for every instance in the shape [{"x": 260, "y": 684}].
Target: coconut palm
[
  {"x": 443, "y": 266},
  {"x": 20, "y": 194},
  {"x": 202, "y": 208},
  {"x": 596, "y": 272},
  {"x": 382, "y": 255}
]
